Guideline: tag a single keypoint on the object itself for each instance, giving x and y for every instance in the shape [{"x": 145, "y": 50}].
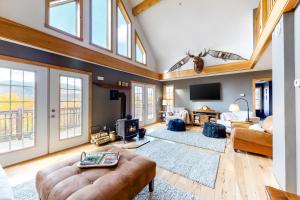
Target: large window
[
  {"x": 140, "y": 53},
  {"x": 17, "y": 109},
  {"x": 101, "y": 23},
  {"x": 65, "y": 16},
  {"x": 168, "y": 96},
  {"x": 124, "y": 31}
]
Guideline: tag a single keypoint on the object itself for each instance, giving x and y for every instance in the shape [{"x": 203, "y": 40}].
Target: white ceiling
[{"x": 173, "y": 27}]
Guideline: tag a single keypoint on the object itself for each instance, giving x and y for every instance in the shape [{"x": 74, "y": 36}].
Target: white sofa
[
  {"x": 6, "y": 192},
  {"x": 241, "y": 116},
  {"x": 178, "y": 113}
]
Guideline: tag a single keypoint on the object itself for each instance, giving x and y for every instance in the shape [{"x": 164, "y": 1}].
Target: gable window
[
  {"x": 101, "y": 23},
  {"x": 65, "y": 16},
  {"x": 124, "y": 31},
  {"x": 140, "y": 53}
]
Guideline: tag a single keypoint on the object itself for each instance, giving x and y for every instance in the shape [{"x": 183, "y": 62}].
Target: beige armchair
[
  {"x": 178, "y": 113},
  {"x": 254, "y": 141}
]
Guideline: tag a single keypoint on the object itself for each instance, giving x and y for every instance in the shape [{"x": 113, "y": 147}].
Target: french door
[
  {"x": 143, "y": 103},
  {"x": 41, "y": 111},
  {"x": 68, "y": 109},
  {"x": 23, "y": 112}
]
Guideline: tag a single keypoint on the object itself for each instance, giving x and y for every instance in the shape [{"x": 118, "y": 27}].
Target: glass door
[
  {"x": 23, "y": 112},
  {"x": 138, "y": 102},
  {"x": 150, "y": 108},
  {"x": 68, "y": 109},
  {"x": 143, "y": 103}
]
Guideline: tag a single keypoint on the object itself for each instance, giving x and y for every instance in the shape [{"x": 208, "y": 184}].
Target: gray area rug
[
  {"x": 196, "y": 139},
  {"x": 162, "y": 191},
  {"x": 198, "y": 166}
]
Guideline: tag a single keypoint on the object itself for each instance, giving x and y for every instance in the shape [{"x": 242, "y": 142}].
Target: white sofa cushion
[{"x": 6, "y": 192}]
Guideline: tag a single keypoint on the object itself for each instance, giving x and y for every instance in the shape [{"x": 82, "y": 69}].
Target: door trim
[
  {"x": 145, "y": 92},
  {"x": 253, "y": 90},
  {"x": 51, "y": 66}
]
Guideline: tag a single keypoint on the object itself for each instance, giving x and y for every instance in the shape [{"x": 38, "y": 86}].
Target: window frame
[
  {"x": 109, "y": 32},
  {"x": 172, "y": 99},
  {"x": 121, "y": 5},
  {"x": 79, "y": 4},
  {"x": 141, "y": 46}
]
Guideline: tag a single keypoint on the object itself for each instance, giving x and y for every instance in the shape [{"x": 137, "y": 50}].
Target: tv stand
[{"x": 204, "y": 115}]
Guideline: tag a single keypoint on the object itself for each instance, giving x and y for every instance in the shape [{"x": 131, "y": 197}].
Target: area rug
[
  {"x": 196, "y": 139},
  {"x": 193, "y": 164},
  {"x": 162, "y": 191}
]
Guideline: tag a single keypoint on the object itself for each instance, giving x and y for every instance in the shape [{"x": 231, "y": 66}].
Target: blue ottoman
[
  {"x": 176, "y": 125},
  {"x": 214, "y": 130}
]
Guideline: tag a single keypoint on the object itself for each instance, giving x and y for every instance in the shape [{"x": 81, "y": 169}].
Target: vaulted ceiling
[{"x": 173, "y": 27}]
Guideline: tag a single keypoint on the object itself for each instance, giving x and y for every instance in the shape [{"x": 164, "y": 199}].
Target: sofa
[
  {"x": 178, "y": 113},
  {"x": 6, "y": 192},
  {"x": 253, "y": 138},
  {"x": 227, "y": 118}
]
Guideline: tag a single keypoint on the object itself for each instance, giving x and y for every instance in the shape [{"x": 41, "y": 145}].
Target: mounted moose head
[{"x": 199, "y": 62}]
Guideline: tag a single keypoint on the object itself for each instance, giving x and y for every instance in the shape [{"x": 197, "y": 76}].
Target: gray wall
[
  {"x": 297, "y": 74},
  {"x": 105, "y": 111},
  {"x": 232, "y": 86},
  {"x": 284, "y": 133}
]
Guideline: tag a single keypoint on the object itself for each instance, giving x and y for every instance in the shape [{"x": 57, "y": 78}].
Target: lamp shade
[
  {"x": 234, "y": 108},
  {"x": 164, "y": 102}
]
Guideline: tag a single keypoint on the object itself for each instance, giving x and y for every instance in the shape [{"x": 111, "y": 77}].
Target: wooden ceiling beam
[
  {"x": 141, "y": 7},
  {"x": 216, "y": 69},
  {"x": 280, "y": 7}
]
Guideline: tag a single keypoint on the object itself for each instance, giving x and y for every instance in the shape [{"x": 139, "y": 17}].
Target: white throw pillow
[{"x": 256, "y": 127}]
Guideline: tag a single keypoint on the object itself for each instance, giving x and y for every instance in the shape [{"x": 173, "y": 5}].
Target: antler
[
  {"x": 189, "y": 54},
  {"x": 203, "y": 53},
  {"x": 225, "y": 55}
]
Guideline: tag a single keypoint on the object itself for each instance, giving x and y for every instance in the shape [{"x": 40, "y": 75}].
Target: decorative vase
[
  {"x": 142, "y": 132},
  {"x": 112, "y": 136}
]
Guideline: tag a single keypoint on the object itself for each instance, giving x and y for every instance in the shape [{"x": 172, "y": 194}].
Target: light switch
[
  {"x": 297, "y": 83},
  {"x": 100, "y": 78}
]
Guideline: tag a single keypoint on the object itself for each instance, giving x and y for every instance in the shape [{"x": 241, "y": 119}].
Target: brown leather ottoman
[{"x": 66, "y": 181}]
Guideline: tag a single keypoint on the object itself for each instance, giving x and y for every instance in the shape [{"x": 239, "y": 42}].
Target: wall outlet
[
  {"x": 297, "y": 83},
  {"x": 100, "y": 78}
]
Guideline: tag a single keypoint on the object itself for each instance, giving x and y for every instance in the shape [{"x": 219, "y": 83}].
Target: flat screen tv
[{"x": 211, "y": 91}]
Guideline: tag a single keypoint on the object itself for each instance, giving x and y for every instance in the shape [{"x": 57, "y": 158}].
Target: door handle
[{"x": 52, "y": 110}]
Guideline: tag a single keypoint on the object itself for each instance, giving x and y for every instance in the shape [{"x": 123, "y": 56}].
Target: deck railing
[{"x": 19, "y": 124}]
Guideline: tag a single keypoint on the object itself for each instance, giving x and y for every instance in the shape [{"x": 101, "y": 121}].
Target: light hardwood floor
[{"x": 240, "y": 175}]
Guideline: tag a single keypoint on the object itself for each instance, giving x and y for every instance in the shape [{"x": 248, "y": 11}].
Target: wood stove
[{"x": 127, "y": 128}]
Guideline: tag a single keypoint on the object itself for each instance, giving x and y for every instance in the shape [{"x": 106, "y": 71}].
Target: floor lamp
[{"x": 236, "y": 108}]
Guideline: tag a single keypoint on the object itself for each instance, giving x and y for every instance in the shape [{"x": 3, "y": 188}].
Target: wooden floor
[{"x": 240, "y": 176}]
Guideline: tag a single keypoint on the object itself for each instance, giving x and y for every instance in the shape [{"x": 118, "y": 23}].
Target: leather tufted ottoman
[{"x": 123, "y": 182}]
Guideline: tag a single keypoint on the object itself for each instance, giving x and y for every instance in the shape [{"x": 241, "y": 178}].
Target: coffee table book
[{"x": 98, "y": 159}]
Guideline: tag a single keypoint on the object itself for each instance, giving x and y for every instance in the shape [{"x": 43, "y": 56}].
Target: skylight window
[
  {"x": 124, "y": 31},
  {"x": 65, "y": 16},
  {"x": 140, "y": 53},
  {"x": 101, "y": 23}
]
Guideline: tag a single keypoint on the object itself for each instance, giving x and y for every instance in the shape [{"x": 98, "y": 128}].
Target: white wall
[
  {"x": 297, "y": 74},
  {"x": 176, "y": 26},
  {"x": 284, "y": 128},
  {"x": 32, "y": 13}
]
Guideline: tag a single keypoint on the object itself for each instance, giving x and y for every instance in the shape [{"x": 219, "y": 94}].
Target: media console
[{"x": 203, "y": 115}]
